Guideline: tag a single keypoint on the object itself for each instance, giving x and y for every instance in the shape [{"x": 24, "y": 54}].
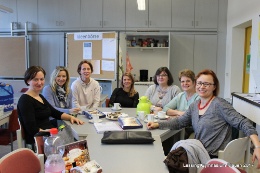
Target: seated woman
[
  {"x": 212, "y": 118},
  {"x": 126, "y": 94},
  {"x": 34, "y": 110},
  {"x": 85, "y": 90},
  {"x": 179, "y": 104},
  {"x": 163, "y": 90},
  {"x": 58, "y": 93}
]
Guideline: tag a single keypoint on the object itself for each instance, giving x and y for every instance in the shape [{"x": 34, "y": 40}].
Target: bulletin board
[
  {"x": 100, "y": 48},
  {"x": 14, "y": 60}
]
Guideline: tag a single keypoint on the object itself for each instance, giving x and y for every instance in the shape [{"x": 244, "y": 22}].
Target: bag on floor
[{"x": 6, "y": 96}]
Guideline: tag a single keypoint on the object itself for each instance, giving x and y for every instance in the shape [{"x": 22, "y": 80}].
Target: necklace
[{"x": 205, "y": 104}]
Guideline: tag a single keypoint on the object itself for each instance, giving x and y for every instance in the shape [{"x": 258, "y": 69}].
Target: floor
[{"x": 6, "y": 149}]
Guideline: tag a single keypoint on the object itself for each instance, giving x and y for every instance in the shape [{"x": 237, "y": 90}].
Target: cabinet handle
[
  {"x": 61, "y": 23},
  {"x": 100, "y": 23},
  {"x": 197, "y": 23},
  {"x": 150, "y": 23}
]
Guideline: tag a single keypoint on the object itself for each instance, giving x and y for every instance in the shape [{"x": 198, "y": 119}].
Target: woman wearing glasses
[
  {"x": 212, "y": 118},
  {"x": 58, "y": 93},
  {"x": 163, "y": 90}
]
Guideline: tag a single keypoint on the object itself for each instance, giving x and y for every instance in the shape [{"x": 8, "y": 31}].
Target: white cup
[
  {"x": 161, "y": 114},
  {"x": 95, "y": 118},
  {"x": 117, "y": 106},
  {"x": 150, "y": 117},
  {"x": 2, "y": 110},
  {"x": 141, "y": 115}
]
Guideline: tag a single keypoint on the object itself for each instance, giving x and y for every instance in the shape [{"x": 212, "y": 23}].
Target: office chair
[
  {"x": 107, "y": 102},
  {"x": 22, "y": 160},
  {"x": 8, "y": 135}
]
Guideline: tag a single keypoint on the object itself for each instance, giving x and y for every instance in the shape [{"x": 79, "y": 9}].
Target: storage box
[{"x": 6, "y": 96}]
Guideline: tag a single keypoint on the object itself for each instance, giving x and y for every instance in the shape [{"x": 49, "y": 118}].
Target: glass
[
  {"x": 163, "y": 75},
  {"x": 206, "y": 84}
]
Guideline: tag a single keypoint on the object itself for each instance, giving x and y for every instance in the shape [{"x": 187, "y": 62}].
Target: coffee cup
[
  {"x": 161, "y": 115},
  {"x": 141, "y": 115},
  {"x": 150, "y": 117},
  {"x": 95, "y": 118},
  {"x": 117, "y": 106}
]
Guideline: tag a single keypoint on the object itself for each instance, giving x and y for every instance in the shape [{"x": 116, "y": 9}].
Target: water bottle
[
  {"x": 54, "y": 164},
  {"x": 52, "y": 144},
  {"x": 54, "y": 153}
]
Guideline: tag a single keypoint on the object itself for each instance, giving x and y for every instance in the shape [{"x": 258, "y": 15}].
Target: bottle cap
[{"x": 54, "y": 131}]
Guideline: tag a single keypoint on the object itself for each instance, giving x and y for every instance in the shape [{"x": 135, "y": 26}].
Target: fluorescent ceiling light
[
  {"x": 141, "y": 4},
  {"x": 5, "y": 9}
]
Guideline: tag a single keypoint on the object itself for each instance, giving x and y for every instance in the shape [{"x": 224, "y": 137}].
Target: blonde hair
[
  {"x": 54, "y": 75},
  {"x": 132, "y": 89}
]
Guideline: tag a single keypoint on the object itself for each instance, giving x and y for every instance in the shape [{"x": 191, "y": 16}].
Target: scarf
[{"x": 61, "y": 95}]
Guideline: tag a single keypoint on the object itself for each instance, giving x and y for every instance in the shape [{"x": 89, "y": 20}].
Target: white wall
[{"x": 240, "y": 15}]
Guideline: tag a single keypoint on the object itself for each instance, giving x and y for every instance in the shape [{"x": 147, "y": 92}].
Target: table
[
  {"x": 127, "y": 158},
  {"x": 5, "y": 118},
  {"x": 82, "y": 131}
]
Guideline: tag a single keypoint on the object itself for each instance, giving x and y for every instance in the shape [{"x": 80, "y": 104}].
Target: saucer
[
  {"x": 119, "y": 109},
  {"x": 146, "y": 121},
  {"x": 92, "y": 121},
  {"x": 166, "y": 117}
]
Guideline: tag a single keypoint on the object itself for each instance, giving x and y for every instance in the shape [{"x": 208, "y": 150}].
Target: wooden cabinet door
[
  {"x": 48, "y": 14},
  {"x": 160, "y": 13},
  {"x": 206, "y": 14},
  {"x": 183, "y": 13},
  {"x": 27, "y": 12},
  {"x": 114, "y": 14},
  {"x": 134, "y": 17},
  {"x": 91, "y": 13},
  {"x": 7, "y": 18}
]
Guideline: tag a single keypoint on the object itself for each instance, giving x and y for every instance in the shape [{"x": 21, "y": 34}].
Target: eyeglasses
[
  {"x": 163, "y": 75},
  {"x": 206, "y": 84}
]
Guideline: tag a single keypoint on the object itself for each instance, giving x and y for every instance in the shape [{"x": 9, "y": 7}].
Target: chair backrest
[
  {"x": 13, "y": 124},
  {"x": 236, "y": 150},
  {"x": 20, "y": 136},
  {"x": 218, "y": 165},
  {"x": 107, "y": 102},
  {"x": 20, "y": 160}
]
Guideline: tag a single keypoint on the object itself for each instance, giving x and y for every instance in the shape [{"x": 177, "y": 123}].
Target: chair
[
  {"x": 218, "y": 165},
  {"x": 20, "y": 137},
  {"x": 22, "y": 160},
  {"x": 23, "y": 90},
  {"x": 8, "y": 135},
  {"x": 107, "y": 102},
  {"x": 236, "y": 151}
]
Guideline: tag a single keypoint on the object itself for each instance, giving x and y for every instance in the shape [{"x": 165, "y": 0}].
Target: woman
[
  {"x": 163, "y": 90},
  {"x": 85, "y": 90},
  {"x": 179, "y": 104},
  {"x": 34, "y": 110},
  {"x": 126, "y": 95},
  {"x": 212, "y": 118},
  {"x": 58, "y": 93}
]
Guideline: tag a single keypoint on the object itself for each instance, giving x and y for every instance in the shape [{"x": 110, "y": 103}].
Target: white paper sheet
[
  {"x": 108, "y": 65},
  {"x": 96, "y": 66},
  {"x": 87, "y": 50},
  {"x": 109, "y": 48}
]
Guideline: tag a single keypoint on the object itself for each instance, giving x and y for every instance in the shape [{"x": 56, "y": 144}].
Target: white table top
[{"x": 5, "y": 118}]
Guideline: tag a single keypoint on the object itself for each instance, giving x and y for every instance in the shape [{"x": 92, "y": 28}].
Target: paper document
[{"x": 107, "y": 126}]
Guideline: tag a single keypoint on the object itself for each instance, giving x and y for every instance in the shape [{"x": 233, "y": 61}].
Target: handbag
[
  {"x": 127, "y": 137},
  {"x": 6, "y": 96}
]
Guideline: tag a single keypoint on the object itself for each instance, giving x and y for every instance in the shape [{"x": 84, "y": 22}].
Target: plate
[
  {"x": 91, "y": 121},
  {"x": 113, "y": 115},
  {"x": 116, "y": 109},
  {"x": 166, "y": 117},
  {"x": 146, "y": 121}
]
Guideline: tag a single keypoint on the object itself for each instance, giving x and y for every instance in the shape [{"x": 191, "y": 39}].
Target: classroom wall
[{"x": 240, "y": 14}]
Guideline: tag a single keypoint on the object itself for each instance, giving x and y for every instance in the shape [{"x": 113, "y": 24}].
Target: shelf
[{"x": 148, "y": 48}]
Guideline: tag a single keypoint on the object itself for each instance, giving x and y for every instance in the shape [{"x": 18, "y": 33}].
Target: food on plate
[{"x": 113, "y": 115}]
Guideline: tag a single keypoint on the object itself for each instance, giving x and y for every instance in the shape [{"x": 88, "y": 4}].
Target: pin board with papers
[{"x": 100, "y": 48}]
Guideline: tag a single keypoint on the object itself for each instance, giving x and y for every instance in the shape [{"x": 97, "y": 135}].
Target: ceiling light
[{"x": 141, "y": 4}]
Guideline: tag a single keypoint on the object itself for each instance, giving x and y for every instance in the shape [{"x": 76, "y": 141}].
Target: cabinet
[
  {"x": 197, "y": 14},
  {"x": 157, "y": 14},
  {"x": 27, "y": 12},
  {"x": 51, "y": 51},
  {"x": 102, "y": 14},
  {"x": 148, "y": 58},
  {"x": 7, "y": 18},
  {"x": 58, "y": 14},
  {"x": 194, "y": 52}
]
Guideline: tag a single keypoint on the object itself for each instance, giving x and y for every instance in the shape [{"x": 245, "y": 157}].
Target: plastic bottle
[
  {"x": 52, "y": 144},
  {"x": 54, "y": 164},
  {"x": 54, "y": 153}
]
